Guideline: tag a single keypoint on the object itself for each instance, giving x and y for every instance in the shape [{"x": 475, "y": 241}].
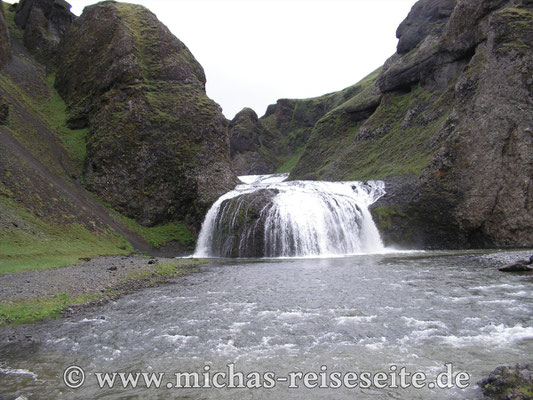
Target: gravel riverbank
[{"x": 87, "y": 284}]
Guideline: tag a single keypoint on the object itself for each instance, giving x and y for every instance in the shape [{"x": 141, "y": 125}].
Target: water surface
[{"x": 359, "y": 313}]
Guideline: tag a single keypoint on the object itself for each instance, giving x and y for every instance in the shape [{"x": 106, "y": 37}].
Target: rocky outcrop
[
  {"x": 5, "y": 41},
  {"x": 45, "y": 23},
  {"x": 509, "y": 383},
  {"x": 450, "y": 132},
  {"x": 289, "y": 123},
  {"x": 427, "y": 17},
  {"x": 157, "y": 148},
  {"x": 245, "y": 135},
  {"x": 239, "y": 229}
]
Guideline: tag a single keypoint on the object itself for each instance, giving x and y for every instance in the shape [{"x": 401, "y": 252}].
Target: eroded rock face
[
  {"x": 245, "y": 132},
  {"x": 240, "y": 226},
  {"x": 45, "y": 23},
  {"x": 426, "y": 17},
  {"x": 478, "y": 184},
  {"x": 449, "y": 131},
  {"x": 5, "y": 46},
  {"x": 157, "y": 148}
]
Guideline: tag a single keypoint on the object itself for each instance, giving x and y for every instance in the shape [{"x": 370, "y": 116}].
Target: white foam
[
  {"x": 492, "y": 335},
  {"x": 176, "y": 338},
  {"x": 355, "y": 319},
  {"x": 413, "y": 322},
  {"x": 497, "y": 286},
  {"x": 15, "y": 371},
  {"x": 505, "y": 301}
]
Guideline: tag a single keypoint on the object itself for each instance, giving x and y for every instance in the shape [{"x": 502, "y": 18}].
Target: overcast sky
[{"x": 257, "y": 51}]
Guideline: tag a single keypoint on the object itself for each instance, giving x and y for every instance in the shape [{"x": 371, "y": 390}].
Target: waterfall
[{"x": 268, "y": 217}]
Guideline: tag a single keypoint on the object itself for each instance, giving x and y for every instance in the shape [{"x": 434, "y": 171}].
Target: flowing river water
[
  {"x": 358, "y": 313},
  {"x": 323, "y": 315}
]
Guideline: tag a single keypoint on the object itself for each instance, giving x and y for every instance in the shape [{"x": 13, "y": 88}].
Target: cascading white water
[{"x": 301, "y": 219}]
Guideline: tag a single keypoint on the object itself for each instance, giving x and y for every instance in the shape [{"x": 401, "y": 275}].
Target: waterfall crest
[{"x": 268, "y": 217}]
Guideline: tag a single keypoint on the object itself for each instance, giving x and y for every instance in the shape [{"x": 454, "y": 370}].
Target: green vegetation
[
  {"x": 160, "y": 235},
  {"x": 30, "y": 243},
  {"x": 29, "y": 311},
  {"x": 288, "y": 130},
  {"x": 55, "y": 111},
  {"x": 514, "y": 26},
  {"x": 157, "y": 236},
  {"x": 14, "y": 30},
  {"x": 288, "y": 165},
  {"x": 383, "y": 216},
  {"x": 39, "y": 97},
  {"x": 23, "y": 311},
  {"x": 397, "y": 139},
  {"x": 51, "y": 111}
]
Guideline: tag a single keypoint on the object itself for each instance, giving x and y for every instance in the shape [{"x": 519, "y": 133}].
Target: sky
[{"x": 255, "y": 52}]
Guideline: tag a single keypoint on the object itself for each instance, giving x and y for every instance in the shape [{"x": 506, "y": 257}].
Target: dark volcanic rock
[
  {"x": 45, "y": 23},
  {"x": 240, "y": 226},
  {"x": 519, "y": 266},
  {"x": 426, "y": 17},
  {"x": 245, "y": 131},
  {"x": 157, "y": 148},
  {"x": 419, "y": 56},
  {"x": 509, "y": 383},
  {"x": 455, "y": 116},
  {"x": 468, "y": 26},
  {"x": 5, "y": 46},
  {"x": 4, "y": 111}
]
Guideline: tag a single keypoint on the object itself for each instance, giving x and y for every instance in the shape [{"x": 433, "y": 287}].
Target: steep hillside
[
  {"x": 279, "y": 137},
  {"x": 157, "y": 147},
  {"x": 50, "y": 152},
  {"x": 447, "y": 122},
  {"x": 46, "y": 217}
]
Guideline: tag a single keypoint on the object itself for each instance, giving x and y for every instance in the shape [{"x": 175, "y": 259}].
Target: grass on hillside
[
  {"x": 30, "y": 243},
  {"x": 52, "y": 110},
  {"x": 158, "y": 236}
]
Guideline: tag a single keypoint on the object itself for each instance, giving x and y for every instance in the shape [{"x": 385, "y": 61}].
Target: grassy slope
[
  {"x": 40, "y": 227},
  {"x": 395, "y": 140},
  {"x": 290, "y": 137}
]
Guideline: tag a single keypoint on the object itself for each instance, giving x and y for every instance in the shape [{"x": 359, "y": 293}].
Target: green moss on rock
[{"x": 157, "y": 147}]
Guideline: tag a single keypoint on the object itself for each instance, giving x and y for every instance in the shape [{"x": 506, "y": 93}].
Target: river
[{"x": 345, "y": 314}]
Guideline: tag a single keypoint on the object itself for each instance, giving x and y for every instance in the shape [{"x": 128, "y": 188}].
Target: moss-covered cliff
[
  {"x": 157, "y": 147},
  {"x": 447, "y": 123},
  {"x": 279, "y": 136},
  {"x": 136, "y": 129}
]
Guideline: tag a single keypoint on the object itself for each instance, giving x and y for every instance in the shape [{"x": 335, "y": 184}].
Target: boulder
[
  {"x": 509, "y": 383},
  {"x": 519, "y": 266},
  {"x": 239, "y": 229}
]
